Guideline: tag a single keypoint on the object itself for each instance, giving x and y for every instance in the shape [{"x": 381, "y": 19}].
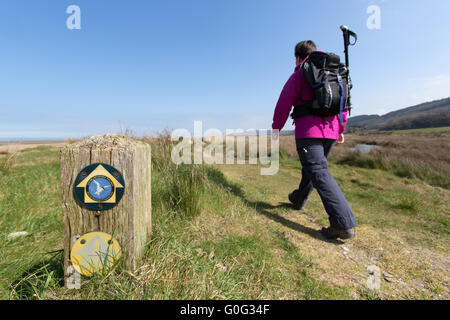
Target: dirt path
[{"x": 405, "y": 270}]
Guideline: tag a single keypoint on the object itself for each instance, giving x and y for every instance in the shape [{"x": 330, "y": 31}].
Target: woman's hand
[{"x": 340, "y": 139}]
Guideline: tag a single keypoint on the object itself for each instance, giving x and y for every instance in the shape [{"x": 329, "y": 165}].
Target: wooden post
[{"x": 130, "y": 220}]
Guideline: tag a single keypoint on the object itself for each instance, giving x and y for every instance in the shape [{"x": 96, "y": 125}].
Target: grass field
[
  {"x": 226, "y": 232},
  {"x": 420, "y": 153},
  {"x": 424, "y": 130}
]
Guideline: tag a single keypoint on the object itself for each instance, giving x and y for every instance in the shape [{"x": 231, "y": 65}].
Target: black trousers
[{"x": 313, "y": 155}]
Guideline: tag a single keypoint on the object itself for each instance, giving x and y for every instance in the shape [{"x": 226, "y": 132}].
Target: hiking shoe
[
  {"x": 295, "y": 202},
  {"x": 332, "y": 233}
]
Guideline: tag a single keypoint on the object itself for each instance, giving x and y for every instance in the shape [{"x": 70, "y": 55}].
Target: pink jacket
[{"x": 310, "y": 126}]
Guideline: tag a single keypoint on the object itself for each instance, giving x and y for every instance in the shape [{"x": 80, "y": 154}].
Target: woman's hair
[{"x": 304, "y": 49}]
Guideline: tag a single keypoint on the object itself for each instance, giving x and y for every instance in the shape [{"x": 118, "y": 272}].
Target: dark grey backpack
[{"x": 331, "y": 83}]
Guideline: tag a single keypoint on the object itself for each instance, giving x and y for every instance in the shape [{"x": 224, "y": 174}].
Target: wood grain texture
[{"x": 130, "y": 220}]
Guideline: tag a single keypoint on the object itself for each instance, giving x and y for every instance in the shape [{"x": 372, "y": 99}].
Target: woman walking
[{"x": 315, "y": 137}]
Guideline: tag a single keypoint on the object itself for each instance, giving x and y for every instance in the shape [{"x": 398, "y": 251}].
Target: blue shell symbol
[{"x": 100, "y": 188}]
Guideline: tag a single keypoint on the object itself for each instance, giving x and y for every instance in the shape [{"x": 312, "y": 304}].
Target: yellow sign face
[{"x": 94, "y": 252}]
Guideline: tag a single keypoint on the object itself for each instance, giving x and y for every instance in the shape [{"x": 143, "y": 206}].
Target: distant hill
[{"x": 425, "y": 115}]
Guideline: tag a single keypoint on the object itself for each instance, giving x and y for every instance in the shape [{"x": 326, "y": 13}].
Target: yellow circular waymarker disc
[{"x": 94, "y": 252}]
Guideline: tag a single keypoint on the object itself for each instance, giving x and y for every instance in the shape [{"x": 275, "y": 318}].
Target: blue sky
[{"x": 149, "y": 65}]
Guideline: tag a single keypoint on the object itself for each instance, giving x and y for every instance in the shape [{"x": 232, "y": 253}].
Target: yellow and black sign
[
  {"x": 99, "y": 186},
  {"x": 94, "y": 252}
]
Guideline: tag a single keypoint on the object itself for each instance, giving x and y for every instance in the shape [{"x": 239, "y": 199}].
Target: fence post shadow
[
  {"x": 24, "y": 286},
  {"x": 262, "y": 208}
]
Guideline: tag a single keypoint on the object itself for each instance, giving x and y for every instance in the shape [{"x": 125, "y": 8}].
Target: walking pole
[{"x": 347, "y": 33}]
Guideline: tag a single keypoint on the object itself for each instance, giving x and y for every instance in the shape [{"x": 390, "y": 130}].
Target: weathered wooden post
[{"x": 128, "y": 221}]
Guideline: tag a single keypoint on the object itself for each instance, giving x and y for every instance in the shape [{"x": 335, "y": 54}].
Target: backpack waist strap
[{"x": 302, "y": 110}]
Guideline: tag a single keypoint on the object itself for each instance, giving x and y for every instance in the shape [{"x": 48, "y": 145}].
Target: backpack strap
[
  {"x": 341, "y": 103},
  {"x": 302, "y": 110}
]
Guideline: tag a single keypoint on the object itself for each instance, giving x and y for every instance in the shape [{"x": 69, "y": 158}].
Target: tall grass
[
  {"x": 176, "y": 189},
  {"x": 7, "y": 162}
]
